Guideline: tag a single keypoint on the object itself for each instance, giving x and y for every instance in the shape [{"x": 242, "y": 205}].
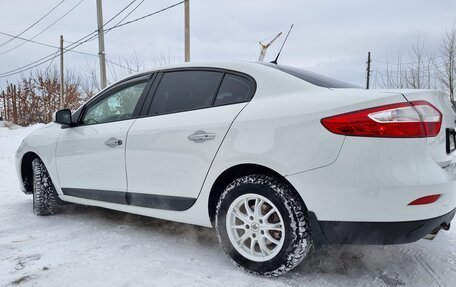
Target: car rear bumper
[
  {"x": 382, "y": 233},
  {"x": 365, "y": 196},
  {"x": 375, "y": 180}
]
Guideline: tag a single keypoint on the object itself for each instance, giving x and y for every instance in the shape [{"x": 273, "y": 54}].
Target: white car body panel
[
  {"x": 85, "y": 161},
  {"x": 162, "y": 160},
  {"x": 380, "y": 193},
  {"x": 339, "y": 178},
  {"x": 294, "y": 142},
  {"x": 440, "y": 100},
  {"x": 41, "y": 142}
]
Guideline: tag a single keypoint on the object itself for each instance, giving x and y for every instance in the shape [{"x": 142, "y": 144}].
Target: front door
[{"x": 90, "y": 157}]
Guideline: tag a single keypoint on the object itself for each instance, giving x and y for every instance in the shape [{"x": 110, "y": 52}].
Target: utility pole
[
  {"x": 187, "y": 30},
  {"x": 368, "y": 69},
  {"x": 101, "y": 47},
  {"x": 62, "y": 83}
]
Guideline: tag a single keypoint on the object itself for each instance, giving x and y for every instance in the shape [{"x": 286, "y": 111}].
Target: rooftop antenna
[
  {"x": 283, "y": 44},
  {"x": 264, "y": 47}
]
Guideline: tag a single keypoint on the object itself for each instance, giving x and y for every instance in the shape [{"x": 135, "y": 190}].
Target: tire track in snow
[{"x": 429, "y": 270}]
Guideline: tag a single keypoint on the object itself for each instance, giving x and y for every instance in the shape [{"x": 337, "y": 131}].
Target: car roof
[{"x": 251, "y": 68}]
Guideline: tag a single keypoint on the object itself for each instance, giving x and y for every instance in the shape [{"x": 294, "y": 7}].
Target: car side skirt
[
  {"x": 135, "y": 199},
  {"x": 376, "y": 233}
]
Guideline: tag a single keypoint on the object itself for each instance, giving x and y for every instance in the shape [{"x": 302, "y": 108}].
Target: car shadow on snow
[
  {"x": 122, "y": 220},
  {"x": 395, "y": 265}
]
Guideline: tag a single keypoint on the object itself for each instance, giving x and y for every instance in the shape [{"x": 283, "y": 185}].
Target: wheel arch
[
  {"x": 234, "y": 172},
  {"x": 27, "y": 171}
]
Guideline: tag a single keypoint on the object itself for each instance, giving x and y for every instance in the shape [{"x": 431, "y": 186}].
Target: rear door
[
  {"x": 170, "y": 149},
  {"x": 90, "y": 157}
]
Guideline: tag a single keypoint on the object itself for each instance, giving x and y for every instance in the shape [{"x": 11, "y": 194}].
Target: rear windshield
[{"x": 313, "y": 78}]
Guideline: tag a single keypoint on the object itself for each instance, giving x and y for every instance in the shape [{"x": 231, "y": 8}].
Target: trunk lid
[{"x": 441, "y": 100}]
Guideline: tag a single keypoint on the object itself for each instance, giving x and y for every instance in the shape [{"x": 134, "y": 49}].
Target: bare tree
[
  {"x": 395, "y": 75},
  {"x": 124, "y": 67},
  {"x": 446, "y": 71},
  {"x": 3, "y": 106},
  {"x": 419, "y": 72},
  {"x": 36, "y": 97},
  {"x": 91, "y": 83},
  {"x": 164, "y": 59}
]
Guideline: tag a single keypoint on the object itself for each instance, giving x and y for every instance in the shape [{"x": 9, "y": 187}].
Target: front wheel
[
  {"x": 262, "y": 225},
  {"x": 45, "y": 199}
]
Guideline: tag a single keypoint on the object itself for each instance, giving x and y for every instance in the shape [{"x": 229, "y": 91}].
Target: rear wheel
[
  {"x": 45, "y": 199},
  {"x": 262, "y": 225}
]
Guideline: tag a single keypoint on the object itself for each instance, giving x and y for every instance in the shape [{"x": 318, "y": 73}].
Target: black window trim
[
  {"x": 147, "y": 106},
  {"x": 217, "y": 89},
  {"x": 148, "y": 78}
]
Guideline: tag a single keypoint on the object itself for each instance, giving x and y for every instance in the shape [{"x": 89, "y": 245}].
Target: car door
[
  {"x": 90, "y": 157},
  {"x": 170, "y": 149}
]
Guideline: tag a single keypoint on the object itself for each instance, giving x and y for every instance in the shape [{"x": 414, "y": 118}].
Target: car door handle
[
  {"x": 113, "y": 142},
  {"x": 201, "y": 136}
]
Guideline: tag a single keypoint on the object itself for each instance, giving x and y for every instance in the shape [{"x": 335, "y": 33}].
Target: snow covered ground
[{"x": 87, "y": 246}]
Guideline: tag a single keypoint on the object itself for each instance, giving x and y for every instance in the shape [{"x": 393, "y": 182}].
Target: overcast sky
[{"x": 331, "y": 37}]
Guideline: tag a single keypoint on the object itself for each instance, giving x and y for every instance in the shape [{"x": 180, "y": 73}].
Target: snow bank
[
  {"x": 10, "y": 139},
  {"x": 87, "y": 246}
]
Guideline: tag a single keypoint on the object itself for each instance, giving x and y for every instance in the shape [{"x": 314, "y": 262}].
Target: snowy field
[{"x": 87, "y": 246}]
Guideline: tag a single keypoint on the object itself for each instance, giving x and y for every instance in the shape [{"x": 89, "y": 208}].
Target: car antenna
[{"x": 283, "y": 44}]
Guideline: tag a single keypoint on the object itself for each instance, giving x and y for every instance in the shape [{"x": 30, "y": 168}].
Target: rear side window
[
  {"x": 234, "y": 89},
  {"x": 185, "y": 90}
]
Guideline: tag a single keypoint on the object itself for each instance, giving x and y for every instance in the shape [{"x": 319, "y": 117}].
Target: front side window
[
  {"x": 185, "y": 90},
  {"x": 119, "y": 105}
]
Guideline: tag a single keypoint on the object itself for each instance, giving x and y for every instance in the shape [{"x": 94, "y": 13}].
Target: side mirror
[{"x": 63, "y": 117}]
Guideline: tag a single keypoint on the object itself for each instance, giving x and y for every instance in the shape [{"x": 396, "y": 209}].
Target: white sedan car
[{"x": 274, "y": 157}]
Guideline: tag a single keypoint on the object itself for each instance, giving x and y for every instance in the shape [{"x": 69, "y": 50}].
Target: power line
[
  {"x": 50, "y": 64},
  {"x": 145, "y": 16},
  {"x": 120, "y": 12},
  {"x": 43, "y": 44},
  {"x": 27, "y": 40},
  {"x": 94, "y": 35},
  {"x": 110, "y": 70},
  {"x": 31, "y": 26},
  {"x": 120, "y": 24},
  {"x": 407, "y": 63},
  {"x": 36, "y": 63},
  {"x": 78, "y": 43},
  {"x": 48, "y": 45},
  {"x": 29, "y": 66},
  {"x": 51, "y": 56},
  {"x": 42, "y": 31},
  {"x": 41, "y": 60},
  {"x": 121, "y": 66},
  {"x": 405, "y": 69},
  {"x": 129, "y": 13}
]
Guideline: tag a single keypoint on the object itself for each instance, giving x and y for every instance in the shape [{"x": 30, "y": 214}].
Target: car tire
[
  {"x": 45, "y": 198},
  {"x": 269, "y": 238}
]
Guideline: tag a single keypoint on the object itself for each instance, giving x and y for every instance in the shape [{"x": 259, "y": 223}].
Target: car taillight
[{"x": 402, "y": 120}]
